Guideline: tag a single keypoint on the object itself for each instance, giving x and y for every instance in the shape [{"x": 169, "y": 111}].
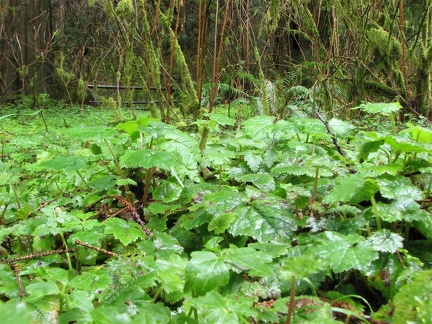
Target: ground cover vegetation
[
  {"x": 215, "y": 161},
  {"x": 263, "y": 220}
]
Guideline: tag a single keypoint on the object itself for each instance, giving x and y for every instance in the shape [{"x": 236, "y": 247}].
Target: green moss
[
  {"x": 125, "y": 9},
  {"x": 384, "y": 45},
  {"x": 81, "y": 90}
]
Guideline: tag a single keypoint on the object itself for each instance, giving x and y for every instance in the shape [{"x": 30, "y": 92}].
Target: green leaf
[
  {"x": 394, "y": 187},
  {"x": 91, "y": 282},
  {"x": 159, "y": 208},
  {"x": 265, "y": 221},
  {"x": 205, "y": 271},
  {"x": 353, "y": 188},
  {"x": 167, "y": 191},
  {"x": 182, "y": 319},
  {"x": 368, "y": 148},
  {"x": 253, "y": 161},
  {"x": 15, "y": 312},
  {"x": 380, "y": 108},
  {"x": 103, "y": 183},
  {"x": 259, "y": 127},
  {"x": 221, "y": 223},
  {"x": 386, "y": 241},
  {"x": 75, "y": 315},
  {"x": 172, "y": 286},
  {"x": 8, "y": 177},
  {"x": 181, "y": 145},
  {"x": 391, "y": 169},
  {"x": 64, "y": 163},
  {"x": 166, "y": 245},
  {"x": 344, "y": 252},
  {"x": 221, "y": 119},
  {"x": 275, "y": 250},
  {"x": 424, "y": 225},
  {"x": 399, "y": 210},
  {"x": 215, "y": 308},
  {"x": 295, "y": 170},
  {"x": 310, "y": 126},
  {"x": 403, "y": 145},
  {"x": 221, "y": 202},
  {"x": 132, "y": 127},
  {"x": 125, "y": 182},
  {"x": 217, "y": 155},
  {"x": 110, "y": 315},
  {"x": 91, "y": 236},
  {"x": 214, "y": 244},
  {"x": 413, "y": 301},
  {"x": 195, "y": 219},
  {"x": 302, "y": 266},
  {"x": 153, "y": 313},
  {"x": 340, "y": 127},
  {"x": 148, "y": 158},
  {"x": 57, "y": 274},
  {"x": 39, "y": 290},
  {"x": 159, "y": 130},
  {"x": 419, "y": 134},
  {"x": 263, "y": 181},
  {"x": 79, "y": 299},
  {"x": 88, "y": 133},
  {"x": 250, "y": 260},
  {"x": 125, "y": 232}
]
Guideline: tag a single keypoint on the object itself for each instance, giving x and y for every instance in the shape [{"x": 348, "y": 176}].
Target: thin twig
[
  {"x": 334, "y": 139},
  {"x": 134, "y": 213},
  {"x": 37, "y": 255},
  {"x": 86, "y": 245},
  {"x": 291, "y": 301},
  {"x": 16, "y": 269}
]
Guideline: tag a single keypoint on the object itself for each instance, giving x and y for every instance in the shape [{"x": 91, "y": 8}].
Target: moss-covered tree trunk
[
  {"x": 28, "y": 34},
  {"x": 423, "y": 98}
]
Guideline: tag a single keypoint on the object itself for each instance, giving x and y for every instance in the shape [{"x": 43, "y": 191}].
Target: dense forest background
[
  {"x": 190, "y": 54},
  {"x": 249, "y": 161}
]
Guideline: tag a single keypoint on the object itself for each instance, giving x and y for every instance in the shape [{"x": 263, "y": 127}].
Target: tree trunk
[{"x": 28, "y": 32}]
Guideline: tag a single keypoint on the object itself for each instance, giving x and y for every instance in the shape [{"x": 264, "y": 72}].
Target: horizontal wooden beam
[
  {"x": 145, "y": 102},
  {"x": 108, "y": 86}
]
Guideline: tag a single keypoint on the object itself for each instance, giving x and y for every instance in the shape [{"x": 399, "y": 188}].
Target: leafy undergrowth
[{"x": 265, "y": 221}]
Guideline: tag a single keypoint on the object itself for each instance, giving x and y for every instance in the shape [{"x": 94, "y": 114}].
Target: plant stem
[
  {"x": 69, "y": 261},
  {"x": 83, "y": 180},
  {"x": 375, "y": 211},
  {"x": 415, "y": 153},
  {"x": 204, "y": 136},
  {"x": 44, "y": 120},
  {"x": 117, "y": 164},
  {"x": 149, "y": 176},
  {"x": 397, "y": 154},
  {"x": 158, "y": 292},
  {"x": 428, "y": 190},
  {"x": 16, "y": 196},
  {"x": 193, "y": 309},
  {"x": 315, "y": 186},
  {"x": 2, "y": 216},
  {"x": 291, "y": 302},
  {"x": 220, "y": 178}
]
